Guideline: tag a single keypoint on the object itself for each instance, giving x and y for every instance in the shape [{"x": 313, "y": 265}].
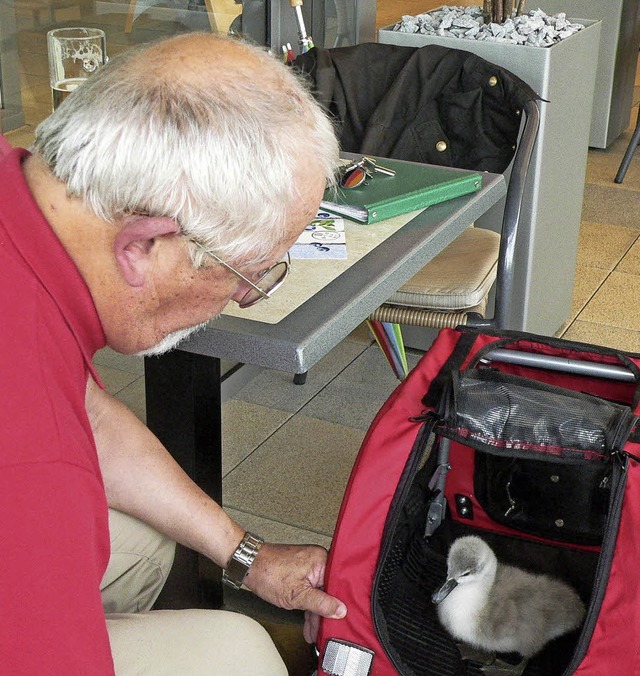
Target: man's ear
[{"x": 134, "y": 243}]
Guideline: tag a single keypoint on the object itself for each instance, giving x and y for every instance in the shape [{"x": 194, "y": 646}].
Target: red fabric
[
  {"x": 614, "y": 646},
  {"x": 5, "y": 146},
  {"x": 355, "y": 548},
  {"x": 356, "y": 542},
  {"x": 53, "y": 511}
]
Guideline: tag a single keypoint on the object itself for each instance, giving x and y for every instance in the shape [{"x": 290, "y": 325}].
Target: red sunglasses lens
[{"x": 353, "y": 178}]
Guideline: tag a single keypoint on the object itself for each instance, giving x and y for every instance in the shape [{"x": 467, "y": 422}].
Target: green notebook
[{"x": 415, "y": 186}]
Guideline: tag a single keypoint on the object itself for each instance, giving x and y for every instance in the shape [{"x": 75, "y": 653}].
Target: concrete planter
[
  {"x": 564, "y": 76},
  {"x": 617, "y": 59}
]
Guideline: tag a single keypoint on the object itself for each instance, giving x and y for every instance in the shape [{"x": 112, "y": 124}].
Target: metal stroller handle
[{"x": 577, "y": 367}]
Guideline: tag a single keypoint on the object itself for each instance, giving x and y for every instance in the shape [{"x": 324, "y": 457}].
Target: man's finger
[{"x": 321, "y": 603}]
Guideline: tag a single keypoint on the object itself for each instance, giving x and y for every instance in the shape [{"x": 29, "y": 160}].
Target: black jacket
[{"x": 430, "y": 104}]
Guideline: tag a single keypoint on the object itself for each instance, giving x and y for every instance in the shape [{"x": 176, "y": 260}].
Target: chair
[
  {"x": 454, "y": 287},
  {"x": 344, "y": 21},
  {"x": 628, "y": 156},
  {"x": 438, "y": 96}
]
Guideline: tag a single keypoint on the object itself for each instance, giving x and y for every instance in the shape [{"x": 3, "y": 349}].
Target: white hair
[{"x": 223, "y": 159}]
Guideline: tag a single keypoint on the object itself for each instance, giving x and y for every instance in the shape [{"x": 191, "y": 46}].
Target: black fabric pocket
[{"x": 561, "y": 502}]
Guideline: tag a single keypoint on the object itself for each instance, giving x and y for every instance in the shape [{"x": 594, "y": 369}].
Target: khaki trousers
[{"x": 172, "y": 642}]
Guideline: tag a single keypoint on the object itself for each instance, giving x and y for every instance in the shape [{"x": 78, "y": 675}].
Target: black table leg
[{"x": 184, "y": 412}]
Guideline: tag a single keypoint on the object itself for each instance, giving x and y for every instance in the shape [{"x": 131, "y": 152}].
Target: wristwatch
[{"x": 241, "y": 560}]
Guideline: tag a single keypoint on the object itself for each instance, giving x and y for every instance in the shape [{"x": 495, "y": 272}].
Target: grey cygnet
[{"x": 498, "y": 608}]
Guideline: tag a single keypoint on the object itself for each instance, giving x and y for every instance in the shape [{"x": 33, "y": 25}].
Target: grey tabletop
[{"x": 301, "y": 339}]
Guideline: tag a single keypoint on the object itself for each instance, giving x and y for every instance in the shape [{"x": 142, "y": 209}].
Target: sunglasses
[
  {"x": 357, "y": 173},
  {"x": 267, "y": 282}
]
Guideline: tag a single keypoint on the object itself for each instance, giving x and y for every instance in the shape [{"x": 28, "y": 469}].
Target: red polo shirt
[{"x": 54, "y": 539}]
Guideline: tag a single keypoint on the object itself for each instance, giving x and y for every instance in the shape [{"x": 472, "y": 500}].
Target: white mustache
[{"x": 172, "y": 341}]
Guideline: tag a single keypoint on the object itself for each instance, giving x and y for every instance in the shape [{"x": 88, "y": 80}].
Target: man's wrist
[{"x": 241, "y": 560}]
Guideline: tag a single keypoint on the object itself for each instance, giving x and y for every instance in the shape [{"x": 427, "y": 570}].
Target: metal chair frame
[
  {"x": 628, "y": 156},
  {"x": 504, "y": 297}
]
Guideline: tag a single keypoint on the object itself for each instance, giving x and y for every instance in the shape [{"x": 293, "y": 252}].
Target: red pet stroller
[{"x": 528, "y": 441}]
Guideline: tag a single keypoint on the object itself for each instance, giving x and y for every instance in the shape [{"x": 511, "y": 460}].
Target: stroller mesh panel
[
  {"x": 509, "y": 414},
  {"x": 415, "y": 567}
]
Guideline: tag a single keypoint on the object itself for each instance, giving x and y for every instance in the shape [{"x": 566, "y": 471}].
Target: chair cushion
[{"x": 459, "y": 277}]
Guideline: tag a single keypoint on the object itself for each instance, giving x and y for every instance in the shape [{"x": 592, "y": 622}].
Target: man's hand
[
  {"x": 291, "y": 576},
  {"x": 134, "y": 464}
]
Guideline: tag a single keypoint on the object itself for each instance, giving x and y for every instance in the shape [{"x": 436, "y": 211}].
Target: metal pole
[
  {"x": 575, "y": 366},
  {"x": 305, "y": 41}
]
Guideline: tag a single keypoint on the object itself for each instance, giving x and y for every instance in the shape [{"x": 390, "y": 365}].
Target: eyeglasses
[
  {"x": 267, "y": 282},
  {"x": 355, "y": 174}
]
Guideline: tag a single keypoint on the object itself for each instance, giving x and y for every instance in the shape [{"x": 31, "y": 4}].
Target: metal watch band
[{"x": 241, "y": 561}]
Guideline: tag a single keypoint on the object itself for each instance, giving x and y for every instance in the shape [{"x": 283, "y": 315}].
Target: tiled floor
[{"x": 289, "y": 449}]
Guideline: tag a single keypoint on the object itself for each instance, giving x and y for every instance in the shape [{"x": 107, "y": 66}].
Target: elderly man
[{"x": 173, "y": 181}]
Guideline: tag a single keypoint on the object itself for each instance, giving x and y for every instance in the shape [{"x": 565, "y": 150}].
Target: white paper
[{"x": 323, "y": 238}]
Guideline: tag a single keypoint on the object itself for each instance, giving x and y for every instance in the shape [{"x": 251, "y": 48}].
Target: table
[{"x": 183, "y": 386}]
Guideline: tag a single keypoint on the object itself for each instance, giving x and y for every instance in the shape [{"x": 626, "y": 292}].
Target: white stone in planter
[{"x": 536, "y": 28}]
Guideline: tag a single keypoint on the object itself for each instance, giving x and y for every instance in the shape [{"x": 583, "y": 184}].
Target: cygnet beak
[{"x": 441, "y": 594}]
